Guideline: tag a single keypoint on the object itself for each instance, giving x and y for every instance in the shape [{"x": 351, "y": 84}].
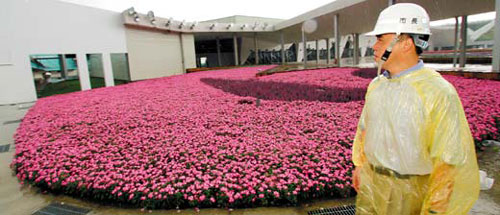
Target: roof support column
[
  {"x": 328, "y": 53},
  {"x": 455, "y": 44},
  {"x": 304, "y": 47},
  {"x": 282, "y": 40},
  {"x": 317, "y": 52},
  {"x": 183, "y": 57},
  {"x": 219, "y": 63},
  {"x": 463, "y": 40},
  {"x": 496, "y": 43},
  {"x": 391, "y": 2},
  {"x": 64, "y": 66},
  {"x": 356, "y": 49},
  {"x": 83, "y": 71},
  {"x": 336, "y": 33},
  {"x": 297, "y": 49},
  {"x": 235, "y": 50},
  {"x": 255, "y": 48},
  {"x": 108, "y": 69}
]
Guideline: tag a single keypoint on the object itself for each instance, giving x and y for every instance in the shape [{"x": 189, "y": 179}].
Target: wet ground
[
  {"x": 489, "y": 161},
  {"x": 18, "y": 200}
]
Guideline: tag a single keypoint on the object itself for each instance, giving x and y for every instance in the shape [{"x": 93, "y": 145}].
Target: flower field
[{"x": 211, "y": 139}]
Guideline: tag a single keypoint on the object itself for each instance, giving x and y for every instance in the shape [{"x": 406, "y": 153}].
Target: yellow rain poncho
[{"x": 414, "y": 149}]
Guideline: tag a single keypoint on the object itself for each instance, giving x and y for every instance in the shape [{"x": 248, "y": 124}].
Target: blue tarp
[{"x": 51, "y": 63}]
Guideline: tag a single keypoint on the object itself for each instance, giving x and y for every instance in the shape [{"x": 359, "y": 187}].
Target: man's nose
[{"x": 375, "y": 47}]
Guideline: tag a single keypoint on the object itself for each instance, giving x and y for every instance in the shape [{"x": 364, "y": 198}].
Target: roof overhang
[{"x": 355, "y": 16}]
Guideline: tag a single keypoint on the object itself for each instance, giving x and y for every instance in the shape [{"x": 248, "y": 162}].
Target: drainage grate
[
  {"x": 4, "y": 148},
  {"x": 12, "y": 122},
  {"x": 61, "y": 209},
  {"x": 341, "y": 210}
]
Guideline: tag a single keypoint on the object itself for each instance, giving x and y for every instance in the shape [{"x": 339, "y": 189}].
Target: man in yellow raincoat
[{"x": 413, "y": 150}]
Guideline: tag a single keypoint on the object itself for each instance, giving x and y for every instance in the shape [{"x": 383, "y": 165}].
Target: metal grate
[
  {"x": 57, "y": 208},
  {"x": 4, "y": 148},
  {"x": 12, "y": 122},
  {"x": 341, "y": 210}
]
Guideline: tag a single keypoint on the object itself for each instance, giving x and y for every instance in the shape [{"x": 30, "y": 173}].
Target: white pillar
[
  {"x": 64, "y": 66},
  {"x": 304, "y": 47},
  {"x": 328, "y": 54},
  {"x": 282, "y": 40},
  {"x": 463, "y": 44},
  {"x": 83, "y": 71},
  {"x": 317, "y": 52},
  {"x": 356, "y": 49},
  {"x": 297, "y": 50},
  {"x": 391, "y": 2},
  {"x": 183, "y": 57},
  {"x": 218, "y": 52},
  {"x": 235, "y": 50},
  {"x": 455, "y": 45},
  {"x": 336, "y": 32},
  {"x": 108, "y": 70},
  {"x": 256, "y": 49},
  {"x": 496, "y": 43}
]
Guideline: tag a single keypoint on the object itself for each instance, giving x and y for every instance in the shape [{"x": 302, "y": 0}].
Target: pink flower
[
  {"x": 189, "y": 134},
  {"x": 276, "y": 194}
]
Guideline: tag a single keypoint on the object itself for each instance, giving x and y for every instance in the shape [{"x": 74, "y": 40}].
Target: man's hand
[
  {"x": 355, "y": 178},
  {"x": 440, "y": 188}
]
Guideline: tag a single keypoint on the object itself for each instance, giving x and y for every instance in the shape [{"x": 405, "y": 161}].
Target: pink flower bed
[
  {"x": 203, "y": 139},
  {"x": 481, "y": 101}
]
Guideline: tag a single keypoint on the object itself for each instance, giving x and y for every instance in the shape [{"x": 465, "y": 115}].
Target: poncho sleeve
[{"x": 453, "y": 185}]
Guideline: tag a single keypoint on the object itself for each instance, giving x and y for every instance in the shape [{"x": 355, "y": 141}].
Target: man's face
[
  {"x": 400, "y": 50},
  {"x": 383, "y": 41}
]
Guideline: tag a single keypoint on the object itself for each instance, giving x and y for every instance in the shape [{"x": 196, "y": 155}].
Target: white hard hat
[{"x": 402, "y": 18}]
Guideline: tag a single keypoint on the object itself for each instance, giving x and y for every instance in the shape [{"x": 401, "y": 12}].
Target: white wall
[
  {"x": 50, "y": 27},
  {"x": 188, "y": 51},
  {"x": 153, "y": 54}
]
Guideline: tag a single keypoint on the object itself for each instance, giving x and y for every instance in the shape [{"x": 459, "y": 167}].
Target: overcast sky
[{"x": 201, "y": 10}]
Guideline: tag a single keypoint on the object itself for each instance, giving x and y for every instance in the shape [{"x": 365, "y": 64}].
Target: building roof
[{"x": 355, "y": 16}]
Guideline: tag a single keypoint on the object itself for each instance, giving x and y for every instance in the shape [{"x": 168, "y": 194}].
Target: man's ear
[{"x": 408, "y": 44}]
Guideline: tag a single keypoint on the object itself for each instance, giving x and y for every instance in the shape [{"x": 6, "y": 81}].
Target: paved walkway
[{"x": 17, "y": 200}]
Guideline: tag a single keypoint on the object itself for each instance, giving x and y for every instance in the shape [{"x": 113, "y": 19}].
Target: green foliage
[{"x": 72, "y": 86}]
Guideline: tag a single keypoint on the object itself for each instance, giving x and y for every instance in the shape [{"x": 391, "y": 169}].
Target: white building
[{"x": 158, "y": 47}]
